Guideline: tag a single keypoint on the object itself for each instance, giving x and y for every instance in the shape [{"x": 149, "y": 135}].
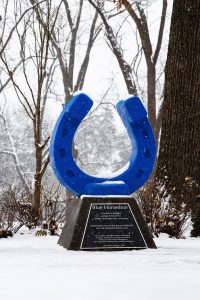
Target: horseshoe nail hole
[
  {"x": 62, "y": 153},
  {"x": 145, "y": 134},
  {"x": 64, "y": 132},
  {"x": 147, "y": 153},
  {"x": 139, "y": 173},
  {"x": 70, "y": 173}
]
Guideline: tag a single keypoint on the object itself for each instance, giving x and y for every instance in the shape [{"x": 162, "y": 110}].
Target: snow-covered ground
[{"x": 37, "y": 268}]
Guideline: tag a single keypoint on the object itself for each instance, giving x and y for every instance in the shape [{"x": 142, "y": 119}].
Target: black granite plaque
[
  {"x": 105, "y": 223},
  {"x": 111, "y": 225}
]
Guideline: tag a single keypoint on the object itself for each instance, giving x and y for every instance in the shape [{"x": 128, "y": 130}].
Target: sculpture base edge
[{"x": 105, "y": 223}]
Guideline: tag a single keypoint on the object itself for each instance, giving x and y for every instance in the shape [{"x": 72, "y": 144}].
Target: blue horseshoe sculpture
[{"x": 134, "y": 117}]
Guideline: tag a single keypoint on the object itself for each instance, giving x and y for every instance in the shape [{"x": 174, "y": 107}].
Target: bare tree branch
[
  {"x": 161, "y": 30},
  {"x": 73, "y": 46},
  {"x": 84, "y": 66},
  {"x": 19, "y": 92},
  {"x": 13, "y": 71},
  {"x": 124, "y": 66},
  {"x": 45, "y": 165},
  {"x": 15, "y": 26},
  {"x": 68, "y": 13}
]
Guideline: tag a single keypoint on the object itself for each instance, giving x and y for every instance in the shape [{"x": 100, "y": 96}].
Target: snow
[
  {"x": 113, "y": 182},
  {"x": 78, "y": 93},
  {"x": 37, "y": 268},
  {"x": 109, "y": 174}
]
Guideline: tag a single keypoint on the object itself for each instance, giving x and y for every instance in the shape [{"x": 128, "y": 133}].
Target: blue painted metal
[{"x": 134, "y": 116}]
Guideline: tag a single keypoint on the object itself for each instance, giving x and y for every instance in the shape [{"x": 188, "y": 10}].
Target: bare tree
[
  {"x": 5, "y": 39},
  {"x": 66, "y": 52},
  {"x": 137, "y": 14},
  {"x": 50, "y": 36},
  {"x": 117, "y": 50},
  {"x": 32, "y": 94}
]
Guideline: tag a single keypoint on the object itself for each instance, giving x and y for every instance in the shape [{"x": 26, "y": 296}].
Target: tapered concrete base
[{"x": 105, "y": 223}]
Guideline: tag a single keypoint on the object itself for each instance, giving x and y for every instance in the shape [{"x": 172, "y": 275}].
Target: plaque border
[{"x": 111, "y": 247}]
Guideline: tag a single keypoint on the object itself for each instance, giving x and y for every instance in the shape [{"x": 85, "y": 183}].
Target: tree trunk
[
  {"x": 37, "y": 185},
  {"x": 179, "y": 155},
  {"x": 38, "y": 160},
  {"x": 151, "y": 93}
]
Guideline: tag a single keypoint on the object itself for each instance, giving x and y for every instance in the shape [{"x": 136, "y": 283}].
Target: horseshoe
[{"x": 139, "y": 168}]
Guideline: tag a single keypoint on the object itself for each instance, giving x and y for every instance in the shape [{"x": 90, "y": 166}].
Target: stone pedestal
[{"x": 105, "y": 223}]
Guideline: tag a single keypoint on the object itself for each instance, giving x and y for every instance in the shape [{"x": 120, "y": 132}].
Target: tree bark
[
  {"x": 151, "y": 94},
  {"x": 179, "y": 155},
  {"x": 37, "y": 181}
]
